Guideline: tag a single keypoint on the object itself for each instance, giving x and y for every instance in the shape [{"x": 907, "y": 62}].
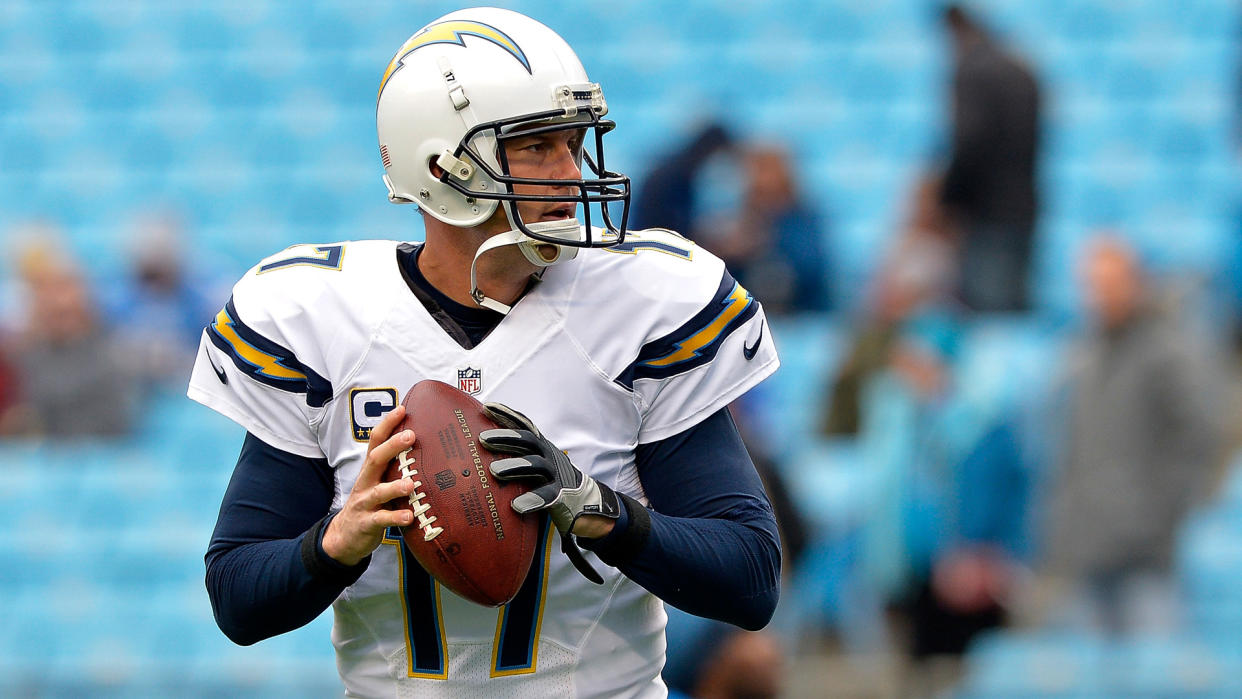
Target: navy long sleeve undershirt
[
  {"x": 710, "y": 547},
  {"x": 267, "y": 572}
]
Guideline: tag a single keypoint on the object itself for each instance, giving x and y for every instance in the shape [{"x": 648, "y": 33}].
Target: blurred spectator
[
  {"x": 989, "y": 183},
  {"x": 917, "y": 274},
  {"x": 667, "y": 196},
  {"x": 75, "y": 379},
  {"x": 949, "y": 525},
  {"x": 1142, "y": 442},
  {"x": 718, "y": 661},
  {"x": 10, "y": 421},
  {"x": 160, "y": 308},
  {"x": 774, "y": 244},
  {"x": 31, "y": 241}
]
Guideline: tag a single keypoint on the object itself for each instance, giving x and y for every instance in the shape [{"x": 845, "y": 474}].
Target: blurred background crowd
[{"x": 999, "y": 243}]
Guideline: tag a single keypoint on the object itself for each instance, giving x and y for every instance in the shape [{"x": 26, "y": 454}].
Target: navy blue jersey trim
[
  {"x": 698, "y": 340},
  {"x": 265, "y": 361}
]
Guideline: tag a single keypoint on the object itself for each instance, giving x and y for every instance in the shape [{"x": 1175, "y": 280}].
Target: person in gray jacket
[{"x": 1141, "y": 441}]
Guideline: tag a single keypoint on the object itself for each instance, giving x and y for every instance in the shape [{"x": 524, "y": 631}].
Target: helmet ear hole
[{"x": 434, "y": 168}]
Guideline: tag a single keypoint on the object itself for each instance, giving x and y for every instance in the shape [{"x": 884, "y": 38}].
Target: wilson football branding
[{"x": 481, "y": 470}]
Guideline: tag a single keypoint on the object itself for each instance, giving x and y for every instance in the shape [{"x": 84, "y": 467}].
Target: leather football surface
[{"x": 465, "y": 533}]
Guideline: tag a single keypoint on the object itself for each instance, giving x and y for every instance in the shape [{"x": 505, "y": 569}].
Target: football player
[{"x": 609, "y": 356}]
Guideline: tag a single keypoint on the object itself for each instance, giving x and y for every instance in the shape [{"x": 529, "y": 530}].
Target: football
[{"x": 465, "y": 533}]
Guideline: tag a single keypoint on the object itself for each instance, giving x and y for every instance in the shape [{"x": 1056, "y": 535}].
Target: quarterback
[{"x": 612, "y": 355}]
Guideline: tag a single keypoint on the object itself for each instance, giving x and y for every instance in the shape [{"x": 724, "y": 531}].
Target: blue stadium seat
[
  {"x": 1045, "y": 664},
  {"x": 810, "y": 347},
  {"x": 1169, "y": 666},
  {"x": 1005, "y": 359},
  {"x": 834, "y": 484},
  {"x": 1027, "y": 666},
  {"x": 1209, "y": 562},
  {"x": 327, "y": 26},
  {"x": 21, "y": 152}
]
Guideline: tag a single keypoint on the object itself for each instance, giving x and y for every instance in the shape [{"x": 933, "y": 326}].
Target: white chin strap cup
[{"x": 535, "y": 251}]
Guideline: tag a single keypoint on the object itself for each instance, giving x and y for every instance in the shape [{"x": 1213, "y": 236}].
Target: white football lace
[{"x": 420, "y": 508}]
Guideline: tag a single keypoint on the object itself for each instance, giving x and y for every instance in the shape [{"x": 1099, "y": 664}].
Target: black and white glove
[{"x": 563, "y": 491}]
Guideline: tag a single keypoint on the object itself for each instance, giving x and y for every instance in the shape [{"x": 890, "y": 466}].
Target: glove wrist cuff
[
  {"x": 608, "y": 505},
  {"x": 624, "y": 544}
]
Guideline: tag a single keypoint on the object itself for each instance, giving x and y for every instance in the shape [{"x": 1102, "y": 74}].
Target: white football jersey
[{"x": 616, "y": 347}]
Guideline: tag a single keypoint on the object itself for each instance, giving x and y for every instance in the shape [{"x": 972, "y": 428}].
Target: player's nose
[{"x": 567, "y": 167}]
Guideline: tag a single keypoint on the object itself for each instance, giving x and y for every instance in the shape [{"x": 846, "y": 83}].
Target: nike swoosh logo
[
  {"x": 219, "y": 372},
  {"x": 749, "y": 352}
]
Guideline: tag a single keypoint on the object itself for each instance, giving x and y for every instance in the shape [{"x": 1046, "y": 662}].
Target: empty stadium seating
[
  {"x": 101, "y": 570},
  {"x": 255, "y": 116}
]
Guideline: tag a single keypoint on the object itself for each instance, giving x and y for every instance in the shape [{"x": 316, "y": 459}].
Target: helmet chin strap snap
[{"x": 535, "y": 251}]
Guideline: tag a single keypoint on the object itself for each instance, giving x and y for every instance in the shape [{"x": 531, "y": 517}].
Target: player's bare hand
[{"x": 359, "y": 527}]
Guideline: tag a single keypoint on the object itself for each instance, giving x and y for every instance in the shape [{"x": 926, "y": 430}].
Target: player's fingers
[
  {"x": 383, "y": 519},
  {"x": 381, "y": 432},
  {"x": 534, "y": 467},
  {"x": 505, "y": 441},
  {"x": 505, "y": 416},
  {"x": 536, "y": 499},
  {"x": 377, "y": 459},
  {"x": 383, "y": 493}
]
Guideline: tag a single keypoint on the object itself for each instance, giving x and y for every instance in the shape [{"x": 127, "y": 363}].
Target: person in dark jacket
[{"x": 989, "y": 186}]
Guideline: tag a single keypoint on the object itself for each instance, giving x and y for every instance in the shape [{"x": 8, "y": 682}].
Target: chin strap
[{"x": 532, "y": 250}]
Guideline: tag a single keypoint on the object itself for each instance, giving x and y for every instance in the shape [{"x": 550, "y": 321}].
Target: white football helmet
[{"x": 461, "y": 86}]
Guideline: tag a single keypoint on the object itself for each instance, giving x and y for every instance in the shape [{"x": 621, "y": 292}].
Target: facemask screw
[{"x": 424, "y": 194}]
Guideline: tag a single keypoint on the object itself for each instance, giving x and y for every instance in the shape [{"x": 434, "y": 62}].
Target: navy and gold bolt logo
[
  {"x": 265, "y": 361},
  {"x": 454, "y": 32}
]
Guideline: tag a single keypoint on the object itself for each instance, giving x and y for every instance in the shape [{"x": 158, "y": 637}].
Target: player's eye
[
  {"x": 526, "y": 145},
  {"x": 576, "y": 141}
]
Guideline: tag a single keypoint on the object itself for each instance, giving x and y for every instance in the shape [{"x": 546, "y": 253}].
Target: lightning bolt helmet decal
[{"x": 454, "y": 32}]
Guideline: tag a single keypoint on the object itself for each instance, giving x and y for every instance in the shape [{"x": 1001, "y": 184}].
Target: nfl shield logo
[{"x": 470, "y": 380}]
